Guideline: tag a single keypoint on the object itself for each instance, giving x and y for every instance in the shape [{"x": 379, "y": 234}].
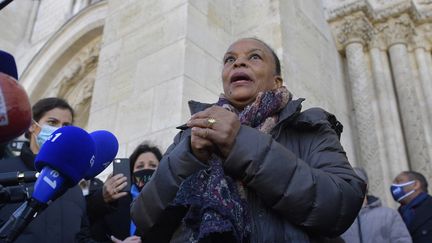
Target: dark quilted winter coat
[{"x": 301, "y": 187}]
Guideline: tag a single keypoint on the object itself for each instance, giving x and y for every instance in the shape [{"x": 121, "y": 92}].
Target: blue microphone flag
[{"x": 47, "y": 185}]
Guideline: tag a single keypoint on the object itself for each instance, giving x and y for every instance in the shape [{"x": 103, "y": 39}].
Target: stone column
[
  {"x": 398, "y": 32},
  {"x": 392, "y": 140},
  {"x": 352, "y": 34},
  {"x": 422, "y": 52}
]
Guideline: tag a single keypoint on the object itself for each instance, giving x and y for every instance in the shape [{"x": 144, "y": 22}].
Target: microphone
[
  {"x": 15, "y": 194},
  {"x": 8, "y": 65},
  {"x": 15, "y": 178},
  {"x": 15, "y": 109},
  {"x": 106, "y": 148},
  {"x": 70, "y": 151},
  {"x": 63, "y": 161}
]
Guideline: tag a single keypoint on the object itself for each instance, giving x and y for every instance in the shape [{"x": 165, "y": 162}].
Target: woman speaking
[{"x": 252, "y": 167}]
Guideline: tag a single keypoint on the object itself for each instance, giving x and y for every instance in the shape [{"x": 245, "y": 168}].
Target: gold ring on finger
[{"x": 211, "y": 121}]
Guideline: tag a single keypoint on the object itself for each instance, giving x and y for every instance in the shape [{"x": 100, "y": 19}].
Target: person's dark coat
[
  {"x": 421, "y": 226},
  {"x": 108, "y": 219},
  {"x": 376, "y": 223},
  {"x": 60, "y": 222},
  {"x": 301, "y": 187}
]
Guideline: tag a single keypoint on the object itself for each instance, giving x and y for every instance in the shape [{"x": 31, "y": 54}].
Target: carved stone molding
[
  {"x": 422, "y": 10},
  {"x": 398, "y": 30},
  {"x": 352, "y": 28},
  {"x": 75, "y": 81},
  {"x": 78, "y": 67},
  {"x": 423, "y": 37},
  {"x": 420, "y": 40},
  {"x": 380, "y": 10},
  {"x": 344, "y": 8},
  {"x": 386, "y": 9},
  {"x": 358, "y": 27},
  {"x": 377, "y": 41}
]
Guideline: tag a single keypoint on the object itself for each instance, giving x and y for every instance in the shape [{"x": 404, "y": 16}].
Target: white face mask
[{"x": 44, "y": 134}]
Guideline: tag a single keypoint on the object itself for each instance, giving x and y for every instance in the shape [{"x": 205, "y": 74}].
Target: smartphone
[{"x": 121, "y": 166}]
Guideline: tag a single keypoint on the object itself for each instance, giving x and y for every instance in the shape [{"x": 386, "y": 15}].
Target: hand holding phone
[
  {"x": 121, "y": 166},
  {"x": 111, "y": 190},
  {"x": 117, "y": 184}
]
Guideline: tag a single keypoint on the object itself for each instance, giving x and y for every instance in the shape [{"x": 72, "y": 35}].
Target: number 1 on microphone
[{"x": 55, "y": 136}]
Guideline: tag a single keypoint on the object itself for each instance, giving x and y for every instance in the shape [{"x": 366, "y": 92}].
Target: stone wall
[
  {"x": 16, "y": 23},
  {"x": 157, "y": 55},
  {"x": 50, "y": 16}
]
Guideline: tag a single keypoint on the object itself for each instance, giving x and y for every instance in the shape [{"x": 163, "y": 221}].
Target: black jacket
[
  {"x": 421, "y": 226},
  {"x": 60, "y": 222},
  {"x": 108, "y": 219},
  {"x": 301, "y": 187}
]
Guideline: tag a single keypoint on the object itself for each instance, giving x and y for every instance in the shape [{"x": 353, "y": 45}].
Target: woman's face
[
  {"x": 144, "y": 161},
  {"x": 249, "y": 68},
  {"x": 56, "y": 117}
]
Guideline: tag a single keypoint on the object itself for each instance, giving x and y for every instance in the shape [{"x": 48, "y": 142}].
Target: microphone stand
[
  {"x": 4, "y": 3},
  {"x": 20, "y": 219},
  {"x": 13, "y": 194}
]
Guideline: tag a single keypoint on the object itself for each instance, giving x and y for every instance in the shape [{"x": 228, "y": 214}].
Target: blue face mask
[
  {"x": 44, "y": 134},
  {"x": 398, "y": 193}
]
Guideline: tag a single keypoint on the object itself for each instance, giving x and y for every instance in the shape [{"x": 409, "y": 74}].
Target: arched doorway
[{"x": 66, "y": 65}]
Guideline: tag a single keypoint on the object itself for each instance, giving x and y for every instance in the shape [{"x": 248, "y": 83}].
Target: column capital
[
  {"x": 399, "y": 30},
  {"x": 352, "y": 28},
  {"x": 377, "y": 41},
  {"x": 423, "y": 37}
]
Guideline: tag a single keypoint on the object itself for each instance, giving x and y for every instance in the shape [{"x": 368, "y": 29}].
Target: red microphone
[{"x": 15, "y": 108}]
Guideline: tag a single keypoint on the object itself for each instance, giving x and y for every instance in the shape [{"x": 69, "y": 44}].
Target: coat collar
[
  {"x": 291, "y": 110},
  {"x": 422, "y": 214},
  {"x": 293, "y": 107},
  {"x": 195, "y": 106}
]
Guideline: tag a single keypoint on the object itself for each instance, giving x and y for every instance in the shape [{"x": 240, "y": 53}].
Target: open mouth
[{"x": 240, "y": 76}]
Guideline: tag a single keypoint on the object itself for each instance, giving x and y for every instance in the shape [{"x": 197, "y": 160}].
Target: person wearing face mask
[
  {"x": 410, "y": 189},
  {"x": 109, "y": 207},
  {"x": 375, "y": 222},
  {"x": 65, "y": 217},
  {"x": 252, "y": 167}
]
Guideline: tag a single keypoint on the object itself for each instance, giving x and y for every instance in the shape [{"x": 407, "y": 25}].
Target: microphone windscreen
[
  {"x": 8, "y": 65},
  {"x": 69, "y": 150},
  {"x": 106, "y": 148},
  {"x": 15, "y": 109}
]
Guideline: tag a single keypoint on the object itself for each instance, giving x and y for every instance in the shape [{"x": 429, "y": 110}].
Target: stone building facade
[
  {"x": 386, "y": 46},
  {"x": 131, "y": 66}
]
